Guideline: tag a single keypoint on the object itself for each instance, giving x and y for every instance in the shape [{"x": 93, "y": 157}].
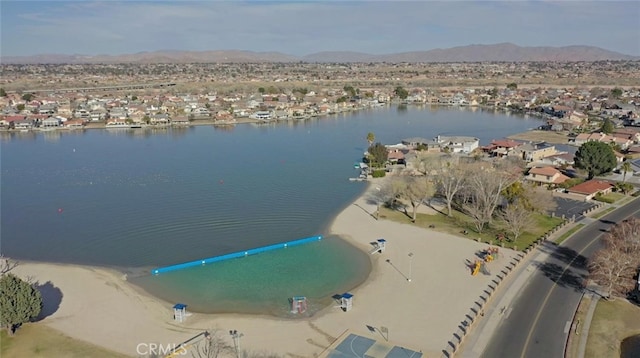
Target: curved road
[{"x": 542, "y": 312}]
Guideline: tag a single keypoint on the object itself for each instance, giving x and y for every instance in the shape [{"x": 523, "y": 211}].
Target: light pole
[
  {"x": 378, "y": 203},
  {"x": 236, "y": 340},
  {"x": 410, "y": 259}
]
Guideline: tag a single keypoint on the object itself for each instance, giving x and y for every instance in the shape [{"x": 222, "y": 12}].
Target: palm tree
[
  {"x": 626, "y": 167},
  {"x": 370, "y": 138}
]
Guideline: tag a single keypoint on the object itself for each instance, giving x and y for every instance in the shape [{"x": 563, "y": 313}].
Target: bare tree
[
  {"x": 416, "y": 190},
  {"x": 212, "y": 346},
  {"x": 483, "y": 193},
  {"x": 384, "y": 192},
  {"x": 449, "y": 180},
  {"x": 538, "y": 199},
  {"x": 7, "y": 264},
  {"x": 516, "y": 219},
  {"x": 615, "y": 265}
]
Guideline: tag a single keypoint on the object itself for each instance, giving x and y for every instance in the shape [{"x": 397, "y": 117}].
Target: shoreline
[{"x": 97, "y": 305}]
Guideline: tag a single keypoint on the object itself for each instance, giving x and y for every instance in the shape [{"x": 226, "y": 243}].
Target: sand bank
[{"x": 101, "y": 307}]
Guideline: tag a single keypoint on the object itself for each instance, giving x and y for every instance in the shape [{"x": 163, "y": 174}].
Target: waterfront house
[
  {"x": 160, "y": 119},
  {"x": 23, "y": 124},
  {"x": 52, "y": 122},
  {"x": 501, "y": 147},
  {"x": 546, "y": 175},
  {"x": 9, "y": 121},
  {"x": 74, "y": 124},
  {"x": 458, "y": 144},
  {"x": 180, "y": 121},
  {"x": 591, "y": 188}
]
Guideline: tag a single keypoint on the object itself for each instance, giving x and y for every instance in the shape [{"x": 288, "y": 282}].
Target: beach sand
[{"x": 99, "y": 306}]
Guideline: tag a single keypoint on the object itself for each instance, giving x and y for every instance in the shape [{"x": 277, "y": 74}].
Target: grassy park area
[
  {"x": 38, "y": 340},
  {"x": 612, "y": 322},
  {"x": 462, "y": 225}
]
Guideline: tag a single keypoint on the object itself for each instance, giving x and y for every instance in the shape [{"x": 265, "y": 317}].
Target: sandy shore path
[{"x": 101, "y": 307}]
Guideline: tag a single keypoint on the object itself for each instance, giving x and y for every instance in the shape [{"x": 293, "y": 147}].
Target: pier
[{"x": 235, "y": 255}]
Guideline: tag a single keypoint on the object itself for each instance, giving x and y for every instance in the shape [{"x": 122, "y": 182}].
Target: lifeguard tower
[
  {"x": 379, "y": 246},
  {"x": 179, "y": 312},
  {"x": 298, "y": 304},
  {"x": 346, "y": 301}
]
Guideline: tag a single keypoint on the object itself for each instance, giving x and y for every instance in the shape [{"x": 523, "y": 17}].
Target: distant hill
[{"x": 504, "y": 52}]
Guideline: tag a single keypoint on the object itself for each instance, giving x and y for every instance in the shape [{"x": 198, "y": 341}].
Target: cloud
[{"x": 311, "y": 26}]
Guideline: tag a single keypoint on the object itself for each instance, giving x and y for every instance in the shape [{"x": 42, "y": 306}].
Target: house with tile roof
[
  {"x": 546, "y": 175},
  {"x": 591, "y": 188}
]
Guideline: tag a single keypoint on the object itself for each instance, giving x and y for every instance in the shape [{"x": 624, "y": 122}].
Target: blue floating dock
[{"x": 235, "y": 255}]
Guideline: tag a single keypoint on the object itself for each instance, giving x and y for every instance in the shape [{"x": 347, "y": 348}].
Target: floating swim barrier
[{"x": 235, "y": 255}]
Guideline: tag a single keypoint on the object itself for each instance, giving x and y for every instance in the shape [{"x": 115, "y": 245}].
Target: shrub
[{"x": 378, "y": 173}]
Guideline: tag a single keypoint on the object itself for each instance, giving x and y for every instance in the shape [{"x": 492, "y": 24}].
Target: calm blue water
[{"x": 140, "y": 199}]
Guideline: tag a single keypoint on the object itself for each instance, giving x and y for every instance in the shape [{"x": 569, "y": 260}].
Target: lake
[{"x": 136, "y": 199}]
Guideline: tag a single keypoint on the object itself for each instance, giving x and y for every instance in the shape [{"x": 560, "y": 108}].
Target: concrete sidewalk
[{"x": 499, "y": 307}]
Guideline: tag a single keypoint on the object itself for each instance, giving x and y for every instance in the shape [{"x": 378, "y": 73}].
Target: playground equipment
[
  {"x": 476, "y": 267},
  {"x": 489, "y": 254},
  {"x": 179, "y": 312},
  {"x": 346, "y": 301},
  {"x": 378, "y": 246},
  {"x": 298, "y": 304}
]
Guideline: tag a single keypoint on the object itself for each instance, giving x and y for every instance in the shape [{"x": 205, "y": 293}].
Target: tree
[
  {"x": 20, "y": 107},
  {"x": 607, "y": 126},
  {"x": 3, "y": 93},
  {"x": 516, "y": 218},
  {"x": 20, "y": 302},
  {"x": 483, "y": 192},
  {"x": 596, "y": 158},
  {"x": 416, "y": 190},
  {"x": 626, "y": 167},
  {"x": 616, "y": 93},
  {"x": 614, "y": 266},
  {"x": 212, "y": 346},
  {"x": 512, "y": 86},
  {"x": 401, "y": 92},
  {"x": 261, "y": 90},
  {"x": 450, "y": 180},
  {"x": 378, "y": 155},
  {"x": 27, "y": 96},
  {"x": 6, "y": 265},
  {"x": 350, "y": 90},
  {"x": 371, "y": 138}
]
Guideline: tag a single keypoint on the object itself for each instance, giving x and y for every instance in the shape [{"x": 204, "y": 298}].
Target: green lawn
[
  {"x": 612, "y": 322},
  {"x": 603, "y": 213},
  {"x": 609, "y": 198},
  {"x": 38, "y": 340},
  {"x": 460, "y": 222}
]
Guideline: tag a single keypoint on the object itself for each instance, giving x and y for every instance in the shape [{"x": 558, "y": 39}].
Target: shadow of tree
[
  {"x": 565, "y": 255},
  {"x": 51, "y": 299},
  {"x": 563, "y": 278}
]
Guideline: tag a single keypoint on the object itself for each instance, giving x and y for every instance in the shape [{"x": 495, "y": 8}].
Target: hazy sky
[{"x": 304, "y": 27}]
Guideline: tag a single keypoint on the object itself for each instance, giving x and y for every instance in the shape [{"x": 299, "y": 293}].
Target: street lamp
[
  {"x": 378, "y": 202},
  {"x": 410, "y": 259},
  {"x": 236, "y": 340}
]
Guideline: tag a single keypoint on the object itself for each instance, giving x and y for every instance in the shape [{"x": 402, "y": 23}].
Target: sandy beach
[{"x": 99, "y": 306}]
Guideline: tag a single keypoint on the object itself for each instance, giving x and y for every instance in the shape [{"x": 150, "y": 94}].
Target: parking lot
[{"x": 569, "y": 208}]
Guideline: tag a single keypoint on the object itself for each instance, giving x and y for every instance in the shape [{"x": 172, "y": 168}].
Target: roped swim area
[{"x": 236, "y": 255}]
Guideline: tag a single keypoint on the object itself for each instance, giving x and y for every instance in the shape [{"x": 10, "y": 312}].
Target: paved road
[{"x": 541, "y": 314}]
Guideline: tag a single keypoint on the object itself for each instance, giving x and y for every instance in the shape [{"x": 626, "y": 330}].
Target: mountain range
[{"x": 503, "y": 52}]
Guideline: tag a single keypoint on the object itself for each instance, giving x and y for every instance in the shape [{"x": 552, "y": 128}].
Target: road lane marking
[{"x": 546, "y": 299}]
